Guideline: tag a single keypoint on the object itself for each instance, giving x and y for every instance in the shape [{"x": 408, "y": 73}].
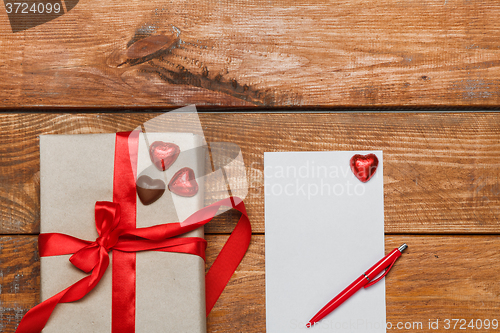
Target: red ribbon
[
  {"x": 124, "y": 188},
  {"x": 92, "y": 257}
]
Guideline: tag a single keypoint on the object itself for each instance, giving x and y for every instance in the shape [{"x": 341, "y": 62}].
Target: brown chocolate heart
[
  {"x": 149, "y": 190},
  {"x": 163, "y": 154},
  {"x": 183, "y": 183}
]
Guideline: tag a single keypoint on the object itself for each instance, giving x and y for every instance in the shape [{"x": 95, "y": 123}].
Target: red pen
[{"x": 364, "y": 280}]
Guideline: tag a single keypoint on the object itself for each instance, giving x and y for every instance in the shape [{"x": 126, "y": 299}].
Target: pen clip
[{"x": 371, "y": 283}]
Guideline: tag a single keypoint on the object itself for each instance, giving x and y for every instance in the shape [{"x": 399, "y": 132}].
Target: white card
[{"x": 324, "y": 228}]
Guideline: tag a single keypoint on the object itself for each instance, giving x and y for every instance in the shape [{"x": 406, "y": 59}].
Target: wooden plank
[
  {"x": 442, "y": 171},
  {"x": 437, "y": 278},
  {"x": 286, "y": 53},
  {"x": 19, "y": 279},
  {"x": 444, "y": 278}
]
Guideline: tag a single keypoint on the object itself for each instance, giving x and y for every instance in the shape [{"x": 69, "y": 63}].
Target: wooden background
[
  {"x": 316, "y": 53},
  {"x": 441, "y": 189}
]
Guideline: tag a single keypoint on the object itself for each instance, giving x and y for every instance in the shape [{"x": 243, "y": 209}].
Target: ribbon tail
[
  {"x": 228, "y": 259},
  {"x": 36, "y": 318}
]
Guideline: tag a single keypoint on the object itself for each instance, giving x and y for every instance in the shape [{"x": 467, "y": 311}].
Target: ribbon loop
[
  {"x": 107, "y": 220},
  {"x": 86, "y": 258}
]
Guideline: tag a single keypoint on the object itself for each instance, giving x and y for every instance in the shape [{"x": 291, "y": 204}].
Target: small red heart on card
[
  {"x": 149, "y": 190},
  {"x": 183, "y": 183},
  {"x": 364, "y": 166},
  {"x": 163, "y": 154}
]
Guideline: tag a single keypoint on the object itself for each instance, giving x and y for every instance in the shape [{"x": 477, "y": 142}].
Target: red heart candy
[
  {"x": 183, "y": 183},
  {"x": 163, "y": 154},
  {"x": 364, "y": 166}
]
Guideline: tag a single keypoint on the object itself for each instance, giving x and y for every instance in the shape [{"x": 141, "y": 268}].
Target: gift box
[
  {"x": 76, "y": 171},
  {"x": 122, "y": 218}
]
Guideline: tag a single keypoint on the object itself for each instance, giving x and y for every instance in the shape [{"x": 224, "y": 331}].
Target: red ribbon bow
[
  {"x": 107, "y": 219},
  {"x": 93, "y": 256}
]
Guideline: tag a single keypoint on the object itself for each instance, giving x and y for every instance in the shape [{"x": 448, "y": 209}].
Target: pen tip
[{"x": 310, "y": 324}]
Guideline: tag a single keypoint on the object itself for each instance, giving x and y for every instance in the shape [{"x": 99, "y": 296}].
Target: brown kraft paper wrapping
[{"x": 76, "y": 171}]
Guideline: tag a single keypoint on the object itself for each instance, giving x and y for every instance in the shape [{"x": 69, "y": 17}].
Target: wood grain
[
  {"x": 19, "y": 279},
  {"x": 441, "y": 171},
  {"x": 259, "y": 53},
  {"x": 440, "y": 278},
  {"x": 437, "y": 278}
]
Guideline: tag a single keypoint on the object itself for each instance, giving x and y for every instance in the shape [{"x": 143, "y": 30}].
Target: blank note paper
[{"x": 324, "y": 228}]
